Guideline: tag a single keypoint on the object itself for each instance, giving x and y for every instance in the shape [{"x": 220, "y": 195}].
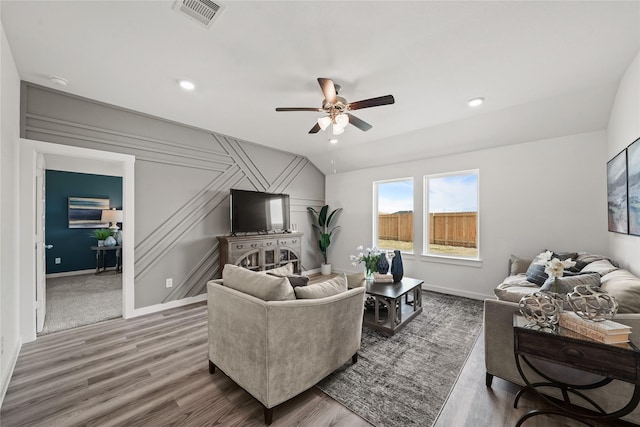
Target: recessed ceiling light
[
  {"x": 474, "y": 102},
  {"x": 59, "y": 80},
  {"x": 333, "y": 140},
  {"x": 187, "y": 85}
]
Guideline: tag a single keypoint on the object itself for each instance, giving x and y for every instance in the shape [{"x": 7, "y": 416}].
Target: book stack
[
  {"x": 607, "y": 332},
  {"x": 382, "y": 278}
]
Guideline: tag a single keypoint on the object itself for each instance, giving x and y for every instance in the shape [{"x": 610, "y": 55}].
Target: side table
[
  {"x": 101, "y": 257},
  {"x": 556, "y": 355}
]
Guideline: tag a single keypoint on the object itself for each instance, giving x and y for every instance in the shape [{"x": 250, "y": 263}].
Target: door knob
[{"x": 48, "y": 246}]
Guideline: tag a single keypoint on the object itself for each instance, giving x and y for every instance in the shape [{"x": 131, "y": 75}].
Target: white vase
[{"x": 325, "y": 269}]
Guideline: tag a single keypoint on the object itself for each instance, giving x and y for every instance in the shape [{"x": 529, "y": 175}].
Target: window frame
[
  {"x": 461, "y": 259},
  {"x": 375, "y": 239}
]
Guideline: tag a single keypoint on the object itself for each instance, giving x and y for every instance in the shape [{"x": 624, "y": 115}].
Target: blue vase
[
  {"x": 110, "y": 241},
  {"x": 383, "y": 264},
  {"x": 397, "y": 270}
]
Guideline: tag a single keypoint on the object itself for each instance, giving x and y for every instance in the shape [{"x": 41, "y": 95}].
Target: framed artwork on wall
[
  {"x": 86, "y": 212},
  {"x": 633, "y": 185},
  {"x": 617, "y": 209}
]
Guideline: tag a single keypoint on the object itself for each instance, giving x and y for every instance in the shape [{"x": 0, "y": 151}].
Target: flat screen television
[{"x": 256, "y": 211}]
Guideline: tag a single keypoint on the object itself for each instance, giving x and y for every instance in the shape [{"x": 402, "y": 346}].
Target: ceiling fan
[{"x": 338, "y": 109}]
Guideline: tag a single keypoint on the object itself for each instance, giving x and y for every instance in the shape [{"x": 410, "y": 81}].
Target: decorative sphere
[
  {"x": 541, "y": 308},
  {"x": 592, "y": 303},
  {"x": 110, "y": 241}
]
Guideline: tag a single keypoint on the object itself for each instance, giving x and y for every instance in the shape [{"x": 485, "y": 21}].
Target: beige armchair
[{"x": 277, "y": 349}]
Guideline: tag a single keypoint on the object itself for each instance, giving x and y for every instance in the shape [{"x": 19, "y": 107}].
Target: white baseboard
[
  {"x": 6, "y": 376},
  {"x": 167, "y": 305},
  {"x": 70, "y": 273},
  {"x": 456, "y": 292}
]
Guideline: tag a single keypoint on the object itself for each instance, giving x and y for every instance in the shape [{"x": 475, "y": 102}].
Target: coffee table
[{"x": 399, "y": 310}]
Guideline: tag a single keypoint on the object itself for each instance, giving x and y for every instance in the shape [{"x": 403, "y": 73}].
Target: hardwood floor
[
  {"x": 153, "y": 371},
  {"x": 147, "y": 371}
]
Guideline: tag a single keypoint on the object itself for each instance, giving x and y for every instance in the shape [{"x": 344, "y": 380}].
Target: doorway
[
  {"x": 78, "y": 160},
  {"x": 76, "y": 206}
]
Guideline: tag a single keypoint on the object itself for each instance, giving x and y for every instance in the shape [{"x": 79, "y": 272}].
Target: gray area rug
[
  {"x": 74, "y": 301},
  {"x": 405, "y": 379}
]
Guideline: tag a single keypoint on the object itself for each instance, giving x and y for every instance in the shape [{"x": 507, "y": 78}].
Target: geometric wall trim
[{"x": 182, "y": 181}]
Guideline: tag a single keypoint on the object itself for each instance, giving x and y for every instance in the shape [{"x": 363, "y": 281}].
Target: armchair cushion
[
  {"x": 259, "y": 285},
  {"x": 331, "y": 287}
]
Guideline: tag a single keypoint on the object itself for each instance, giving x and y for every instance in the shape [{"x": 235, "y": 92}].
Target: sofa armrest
[{"x": 498, "y": 340}]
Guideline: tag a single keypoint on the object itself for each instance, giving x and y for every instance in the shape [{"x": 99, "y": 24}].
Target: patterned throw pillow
[{"x": 536, "y": 274}]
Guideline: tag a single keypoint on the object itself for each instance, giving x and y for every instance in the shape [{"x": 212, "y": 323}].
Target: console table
[
  {"x": 259, "y": 252},
  {"x": 395, "y": 297},
  {"x": 584, "y": 364},
  {"x": 101, "y": 257}
]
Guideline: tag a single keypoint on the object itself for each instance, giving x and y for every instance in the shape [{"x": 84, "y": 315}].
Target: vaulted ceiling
[{"x": 545, "y": 68}]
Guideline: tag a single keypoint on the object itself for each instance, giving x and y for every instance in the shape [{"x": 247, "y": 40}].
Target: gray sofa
[
  {"x": 499, "y": 335},
  {"x": 276, "y": 349}
]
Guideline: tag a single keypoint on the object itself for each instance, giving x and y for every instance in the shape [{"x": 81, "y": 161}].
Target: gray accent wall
[{"x": 182, "y": 181}]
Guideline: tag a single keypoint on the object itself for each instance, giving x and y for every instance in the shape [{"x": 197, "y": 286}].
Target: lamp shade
[
  {"x": 111, "y": 215},
  {"x": 342, "y": 120},
  {"x": 338, "y": 130},
  {"x": 324, "y": 122}
]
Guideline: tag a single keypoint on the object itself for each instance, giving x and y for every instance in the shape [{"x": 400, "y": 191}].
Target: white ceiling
[{"x": 545, "y": 68}]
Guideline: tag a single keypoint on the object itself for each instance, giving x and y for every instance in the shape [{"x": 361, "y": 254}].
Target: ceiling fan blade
[
  {"x": 372, "y": 102},
  {"x": 328, "y": 89},
  {"x": 315, "y": 129},
  {"x": 359, "y": 123},
  {"x": 320, "y": 110}
]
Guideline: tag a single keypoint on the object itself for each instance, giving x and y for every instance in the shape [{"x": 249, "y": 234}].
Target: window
[
  {"x": 451, "y": 225},
  {"x": 393, "y": 220}
]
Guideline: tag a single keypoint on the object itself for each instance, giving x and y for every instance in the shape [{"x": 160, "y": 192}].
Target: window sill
[{"x": 467, "y": 262}]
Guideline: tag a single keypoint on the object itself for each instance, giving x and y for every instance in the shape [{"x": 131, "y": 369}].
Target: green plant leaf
[
  {"x": 322, "y": 218},
  {"x": 332, "y": 215}
]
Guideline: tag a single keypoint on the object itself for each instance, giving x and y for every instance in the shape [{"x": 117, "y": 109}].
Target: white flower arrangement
[{"x": 554, "y": 267}]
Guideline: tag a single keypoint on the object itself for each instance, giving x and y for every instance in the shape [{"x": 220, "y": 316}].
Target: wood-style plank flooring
[{"x": 153, "y": 371}]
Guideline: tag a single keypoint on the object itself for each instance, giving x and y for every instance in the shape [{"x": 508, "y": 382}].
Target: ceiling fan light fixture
[
  {"x": 324, "y": 122},
  {"x": 342, "y": 120},
  {"x": 338, "y": 130}
]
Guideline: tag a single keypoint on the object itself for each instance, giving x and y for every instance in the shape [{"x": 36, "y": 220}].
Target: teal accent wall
[{"x": 72, "y": 245}]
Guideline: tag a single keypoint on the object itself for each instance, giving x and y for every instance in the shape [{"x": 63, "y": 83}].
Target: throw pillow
[
  {"x": 625, "y": 288},
  {"x": 293, "y": 280},
  {"x": 578, "y": 267},
  {"x": 355, "y": 280},
  {"x": 334, "y": 286},
  {"x": 259, "y": 285},
  {"x": 567, "y": 283},
  {"x": 601, "y": 267},
  {"x": 285, "y": 270},
  {"x": 563, "y": 256},
  {"x": 518, "y": 265},
  {"x": 536, "y": 274}
]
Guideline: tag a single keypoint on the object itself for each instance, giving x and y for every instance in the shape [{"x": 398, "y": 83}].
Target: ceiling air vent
[{"x": 201, "y": 11}]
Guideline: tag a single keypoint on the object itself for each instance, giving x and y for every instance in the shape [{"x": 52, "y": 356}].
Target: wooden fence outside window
[{"x": 445, "y": 228}]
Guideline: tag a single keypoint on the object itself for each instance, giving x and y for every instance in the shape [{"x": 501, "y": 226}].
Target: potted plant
[
  {"x": 101, "y": 234},
  {"x": 324, "y": 229}
]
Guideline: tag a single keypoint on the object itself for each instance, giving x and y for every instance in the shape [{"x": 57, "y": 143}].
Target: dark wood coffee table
[{"x": 399, "y": 310}]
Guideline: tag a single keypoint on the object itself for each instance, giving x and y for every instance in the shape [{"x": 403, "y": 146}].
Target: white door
[{"x": 40, "y": 246}]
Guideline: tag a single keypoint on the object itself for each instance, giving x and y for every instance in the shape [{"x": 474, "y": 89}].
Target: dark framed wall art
[
  {"x": 617, "y": 207},
  {"x": 633, "y": 185},
  {"x": 86, "y": 212}
]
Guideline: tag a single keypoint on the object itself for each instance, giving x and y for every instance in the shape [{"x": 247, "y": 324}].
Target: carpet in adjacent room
[
  {"x": 85, "y": 299},
  {"x": 404, "y": 380}
]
